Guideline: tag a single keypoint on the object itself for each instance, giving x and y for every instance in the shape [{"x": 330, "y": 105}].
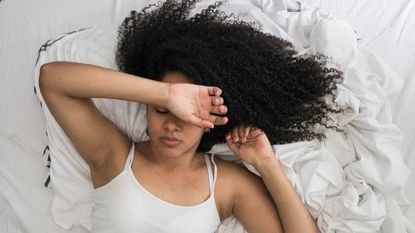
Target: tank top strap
[
  {"x": 130, "y": 157},
  {"x": 212, "y": 175}
]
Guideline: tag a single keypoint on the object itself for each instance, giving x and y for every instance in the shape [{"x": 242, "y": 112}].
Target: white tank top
[{"x": 125, "y": 206}]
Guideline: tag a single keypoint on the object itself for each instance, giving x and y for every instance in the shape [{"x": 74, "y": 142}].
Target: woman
[
  {"x": 167, "y": 170},
  {"x": 168, "y": 184}
]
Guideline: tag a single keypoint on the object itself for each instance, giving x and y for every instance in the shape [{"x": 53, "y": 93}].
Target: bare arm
[
  {"x": 88, "y": 81},
  {"x": 292, "y": 211},
  {"x": 253, "y": 147},
  {"x": 68, "y": 88},
  {"x": 251, "y": 202}
]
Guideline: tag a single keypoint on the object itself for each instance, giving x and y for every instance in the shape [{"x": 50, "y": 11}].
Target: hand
[
  {"x": 250, "y": 144},
  {"x": 196, "y": 104}
]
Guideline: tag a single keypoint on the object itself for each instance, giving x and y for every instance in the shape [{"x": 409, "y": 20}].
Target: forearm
[
  {"x": 88, "y": 81},
  {"x": 293, "y": 214}
]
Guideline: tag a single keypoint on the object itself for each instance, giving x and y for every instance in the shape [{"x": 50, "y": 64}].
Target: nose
[{"x": 172, "y": 123}]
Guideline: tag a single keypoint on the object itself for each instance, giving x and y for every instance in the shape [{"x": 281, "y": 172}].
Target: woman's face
[{"x": 170, "y": 136}]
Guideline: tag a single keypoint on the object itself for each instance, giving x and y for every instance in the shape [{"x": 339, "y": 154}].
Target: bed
[{"x": 29, "y": 30}]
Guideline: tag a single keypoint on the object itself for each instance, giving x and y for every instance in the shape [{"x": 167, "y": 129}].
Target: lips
[{"x": 168, "y": 141}]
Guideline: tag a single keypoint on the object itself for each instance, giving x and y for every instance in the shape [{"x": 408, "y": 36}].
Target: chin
[
  {"x": 170, "y": 152},
  {"x": 174, "y": 152}
]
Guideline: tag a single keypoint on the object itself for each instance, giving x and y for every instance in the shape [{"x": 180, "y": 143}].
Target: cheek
[
  {"x": 194, "y": 133},
  {"x": 152, "y": 121}
]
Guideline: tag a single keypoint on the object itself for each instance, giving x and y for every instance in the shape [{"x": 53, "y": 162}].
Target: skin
[
  {"x": 182, "y": 176},
  {"x": 176, "y": 174},
  {"x": 162, "y": 123}
]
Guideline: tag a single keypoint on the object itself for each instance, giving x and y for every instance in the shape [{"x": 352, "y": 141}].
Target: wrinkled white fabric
[{"x": 351, "y": 182}]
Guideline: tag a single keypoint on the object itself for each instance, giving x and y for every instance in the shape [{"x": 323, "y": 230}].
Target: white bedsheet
[
  {"x": 387, "y": 28},
  {"x": 25, "y": 202}
]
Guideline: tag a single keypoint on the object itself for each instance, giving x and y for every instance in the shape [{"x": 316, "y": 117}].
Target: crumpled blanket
[{"x": 351, "y": 182}]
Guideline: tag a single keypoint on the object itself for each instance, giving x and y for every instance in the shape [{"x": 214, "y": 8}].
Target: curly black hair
[{"x": 265, "y": 82}]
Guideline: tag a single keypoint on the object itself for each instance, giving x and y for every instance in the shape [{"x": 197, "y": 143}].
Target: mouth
[{"x": 168, "y": 141}]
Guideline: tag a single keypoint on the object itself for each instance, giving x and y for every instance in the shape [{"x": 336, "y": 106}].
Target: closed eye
[{"x": 161, "y": 111}]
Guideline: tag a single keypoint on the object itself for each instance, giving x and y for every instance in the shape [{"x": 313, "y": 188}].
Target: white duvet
[{"x": 351, "y": 182}]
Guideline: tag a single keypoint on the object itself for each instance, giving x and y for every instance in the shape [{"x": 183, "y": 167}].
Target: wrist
[
  {"x": 160, "y": 96},
  {"x": 264, "y": 165}
]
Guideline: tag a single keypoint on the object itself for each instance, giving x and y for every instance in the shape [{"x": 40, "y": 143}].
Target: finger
[
  {"x": 241, "y": 133},
  {"x": 217, "y": 100},
  {"x": 255, "y": 132},
  {"x": 234, "y": 146},
  {"x": 235, "y": 133},
  {"x": 229, "y": 141},
  {"x": 201, "y": 123},
  {"x": 214, "y": 91},
  {"x": 228, "y": 137},
  {"x": 219, "y": 110},
  {"x": 246, "y": 131},
  {"x": 218, "y": 120},
  {"x": 207, "y": 124}
]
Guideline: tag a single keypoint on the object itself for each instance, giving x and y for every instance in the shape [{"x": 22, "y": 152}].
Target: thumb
[{"x": 199, "y": 122}]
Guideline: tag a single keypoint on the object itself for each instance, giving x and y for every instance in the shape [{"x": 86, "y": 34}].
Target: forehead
[{"x": 175, "y": 77}]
